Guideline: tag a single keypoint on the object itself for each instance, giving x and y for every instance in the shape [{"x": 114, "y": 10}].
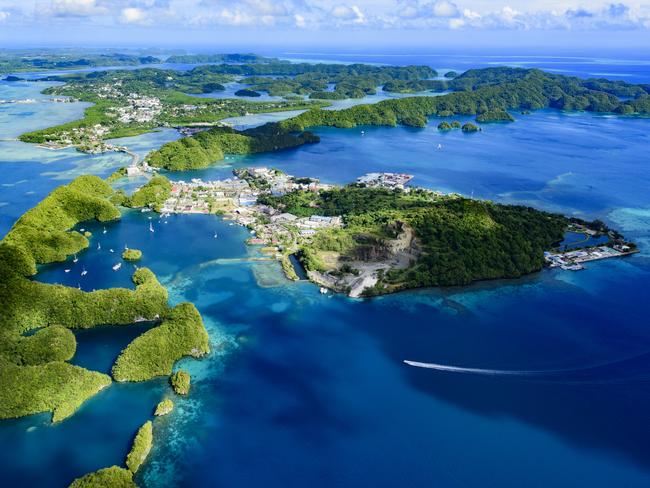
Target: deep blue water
[{"x": 310, "y": 389}]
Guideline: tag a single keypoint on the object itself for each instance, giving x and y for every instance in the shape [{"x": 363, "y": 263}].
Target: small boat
[
  {"x": 82, "y": 230},
  {"x": 117, "y": 266},
  {"x": 99, "y": 246},
  {"x": 126, "y": 248},
  {"x": 363, "y": 132},
  {"x": 151, "y": 227},
  {"x": 66, "y": 270},
  {"x": 104, "y": 231},
  {"x": 323, "y": 290},
  {"x": 215, "y": 235},
  {"x": 439, "y": 146},
  {"x": 84, "y": 272},
  {"x": 145, "y": 210},
  {"x": 110, "y": 250},
  {"x": 75, "y": 259},
  {"x": 166, "y": 222}
]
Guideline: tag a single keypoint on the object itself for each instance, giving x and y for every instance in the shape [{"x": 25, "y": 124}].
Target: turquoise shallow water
[{"x": 310, "y": 389}]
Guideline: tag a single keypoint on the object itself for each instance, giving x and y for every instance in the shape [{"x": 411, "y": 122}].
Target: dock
[{"x": 574, "y": 260}]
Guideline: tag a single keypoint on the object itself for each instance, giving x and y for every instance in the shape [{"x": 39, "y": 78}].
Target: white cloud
[
  {"x": 133, "y": 15},
  {"x": 76, "y": 8},
  {"x": 326, "y": 15},
  {"x": 351, "y": 14},
  {"x": 445, "y": 9},
  {"x": 299, "y": 20}
]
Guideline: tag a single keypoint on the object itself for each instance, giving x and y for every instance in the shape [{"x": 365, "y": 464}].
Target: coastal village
[
  {"x": 236, "y": 199},
  {"x": 281, "y": 234}
]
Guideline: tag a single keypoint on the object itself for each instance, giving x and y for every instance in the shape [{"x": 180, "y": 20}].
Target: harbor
[{"x": 574, "y": 260}]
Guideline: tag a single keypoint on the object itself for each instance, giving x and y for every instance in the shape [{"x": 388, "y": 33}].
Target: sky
[{"x": 310, "y": 23}]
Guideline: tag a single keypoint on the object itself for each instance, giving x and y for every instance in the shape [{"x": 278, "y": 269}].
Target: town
[{"x": 280, "y": 233}]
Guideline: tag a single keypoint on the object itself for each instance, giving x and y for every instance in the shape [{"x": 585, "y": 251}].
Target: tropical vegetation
[
  {"x": 113, "y": 477},
  {"x": 141, "y": 447},
  {"x": 180, "y": 381}
]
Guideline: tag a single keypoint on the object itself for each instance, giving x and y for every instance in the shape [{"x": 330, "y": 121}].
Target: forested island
[
  {"x": 489, "y": 94},
  {"x": 36, "y": 338},
  {"x": 15, "y": 61}
]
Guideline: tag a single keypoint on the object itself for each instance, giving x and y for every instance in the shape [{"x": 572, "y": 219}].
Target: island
[
  {"x": 141, "y": 447},
  {"x": 469, "y": 127},
  {"x": 36, "y": 60},
  {"x": 446, "y": 126},
  {"x": 115, "y": 477},
  {"x": 247, "y": 93},
  {"x": 132, "y": 255},
  {"x": 180, "y": 381},
  {"x": 164, "y": 407}
]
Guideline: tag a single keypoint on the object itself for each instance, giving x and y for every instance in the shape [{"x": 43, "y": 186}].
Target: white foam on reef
[
  {"x": 175, "y": 433},
  {"x": 96, "y": 164},
  {"x": 631, "y": 219},
  {"x": 182, "y": 428}
]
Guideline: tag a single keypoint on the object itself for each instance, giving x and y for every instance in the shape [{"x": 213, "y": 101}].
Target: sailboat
[
  {"x": 117, "y": 266},
  {"x": 84, "y": 272},
  {"x": 151, "y": 227}
]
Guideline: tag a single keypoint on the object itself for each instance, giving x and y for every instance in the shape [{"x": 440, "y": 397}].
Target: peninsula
[{"x": 380, "y": 235}]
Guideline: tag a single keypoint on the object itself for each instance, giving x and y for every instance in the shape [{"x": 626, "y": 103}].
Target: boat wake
[
  {"x": 481, "y": 371},
  {"x": 635, "y": 368}
]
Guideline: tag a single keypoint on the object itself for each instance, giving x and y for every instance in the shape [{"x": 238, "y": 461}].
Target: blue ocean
[{"x": 305, "y": 389}]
